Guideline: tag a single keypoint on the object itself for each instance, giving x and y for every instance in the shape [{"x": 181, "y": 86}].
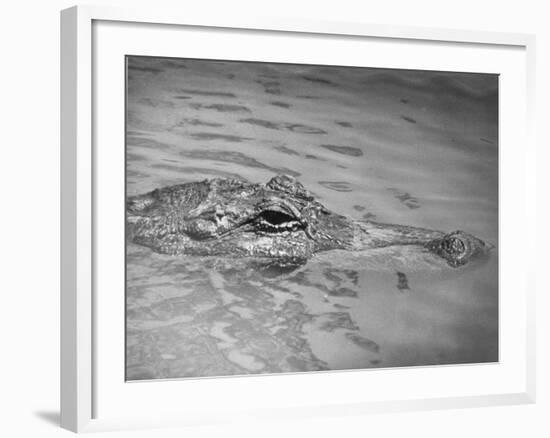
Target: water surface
[{"x": 406, "y": 147}]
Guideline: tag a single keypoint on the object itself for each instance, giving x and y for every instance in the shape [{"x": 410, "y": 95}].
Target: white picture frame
[{"x": 83, "y": 370}]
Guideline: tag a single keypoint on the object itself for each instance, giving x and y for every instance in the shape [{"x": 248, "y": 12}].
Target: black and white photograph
[{"x": 286, "y": 218}]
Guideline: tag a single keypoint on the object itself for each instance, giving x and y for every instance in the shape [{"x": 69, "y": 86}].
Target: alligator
[{"x": 280, "y": 220}]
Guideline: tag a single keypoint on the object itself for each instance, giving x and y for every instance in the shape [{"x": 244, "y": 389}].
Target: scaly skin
[{"x": 278, "y": 220}]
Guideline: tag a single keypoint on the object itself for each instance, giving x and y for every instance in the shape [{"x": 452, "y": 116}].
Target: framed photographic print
[{"x": 286, "y": 218}]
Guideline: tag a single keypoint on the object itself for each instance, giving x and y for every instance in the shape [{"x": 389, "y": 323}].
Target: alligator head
[{"x": 278, "y": 220}]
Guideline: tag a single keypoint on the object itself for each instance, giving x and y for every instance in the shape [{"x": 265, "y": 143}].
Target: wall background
[{"x": 29, "y": 218}]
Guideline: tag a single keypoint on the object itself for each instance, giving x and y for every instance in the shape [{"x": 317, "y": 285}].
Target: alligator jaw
[{"x": 456, "y": 248}]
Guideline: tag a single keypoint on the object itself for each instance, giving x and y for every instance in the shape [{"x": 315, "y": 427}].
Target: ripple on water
[
  {"x": 363, "y": 342},
  {"x": 235, "y": 157},
  {"x": 331, "y": 321},
  {"x": 263, "y": 123},
  {"x": 345, "y": 150},
  {"x": 369, "y": 216},
  {"x": 198, "y": 122},
  {"x": 280, "y": 104},
  {"x": 405, "y": 198},
  {"x": 304, "y": 129},
  {"x": 217, "y": 136},
  {"x": 402, "y": 281},
  {"x": 206, "y": 93},
  {"x": 285, "y": 150},
  {"x": 313, "y": 157},
  {"x": 318, "y": 80},
  {"x": 271, "y": 87},
  {"x": 294, "y": 127},
  {"x": 221, "y": 107},
  {"x": 408, "y": 119},
  {"x": 156, "y": 103},
  {"x": 136, "y": 157},
  {"x": 344, "y": 124},
  {"x": 343, "y": 292},
  {"x": 338, "y": 186}
]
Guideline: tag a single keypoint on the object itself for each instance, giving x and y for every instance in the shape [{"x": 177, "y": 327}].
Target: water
[{"x": 406, "y": 147}]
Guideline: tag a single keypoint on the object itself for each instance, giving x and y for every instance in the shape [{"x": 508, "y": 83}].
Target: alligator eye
[
  {"x": 276, "y": 217},
  {"x": 277, "y": 221},
  {"x": 454, "y": 246}
]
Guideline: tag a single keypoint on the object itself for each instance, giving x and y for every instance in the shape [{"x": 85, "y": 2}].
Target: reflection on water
[{"x": 408, "y": 147}]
